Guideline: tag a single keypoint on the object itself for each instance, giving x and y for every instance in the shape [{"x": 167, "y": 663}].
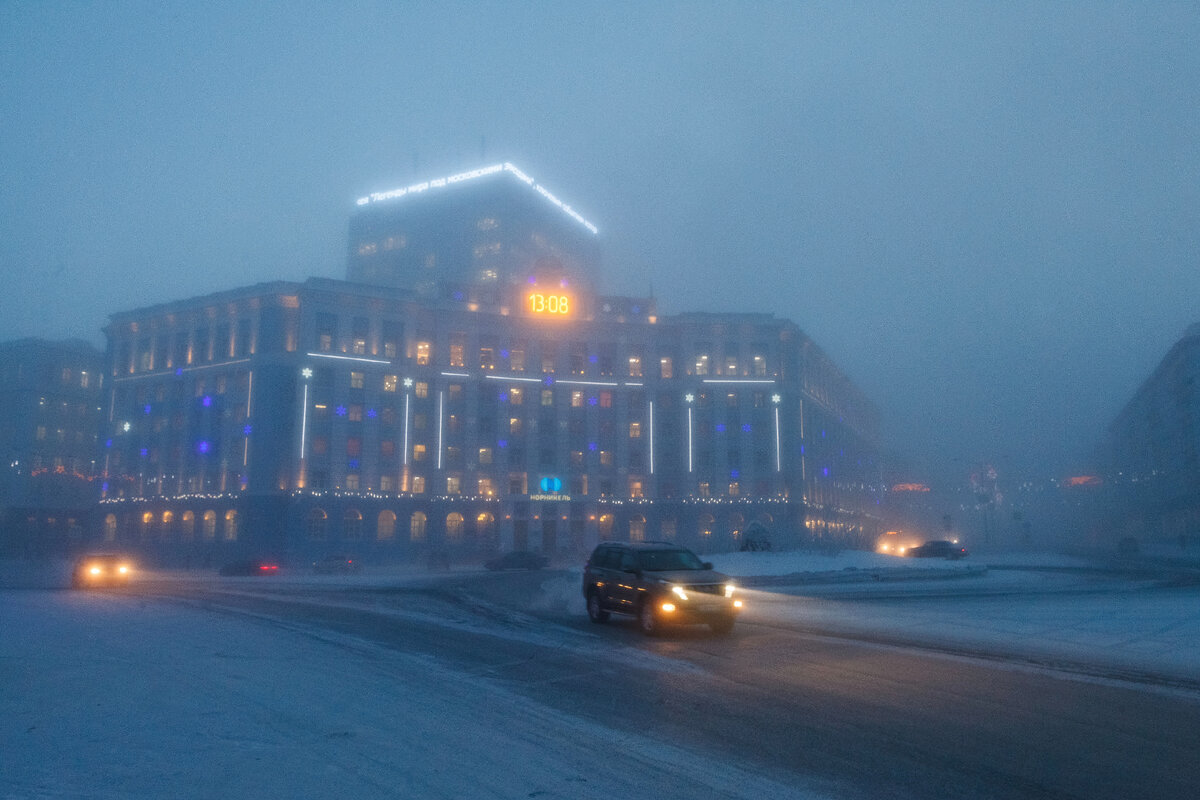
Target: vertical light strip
[
  {"x": 689, "y": 439},
  {"x": 406, "y": 399},
  {"x": 778, "y": 456},
  {"x": 304, "y": 422},
  {"x": 803, "y": 457},
  {"x": 249, "y": 398},
  {"x": 440, "y": 408},
  {"x": 651, "y": 437}
]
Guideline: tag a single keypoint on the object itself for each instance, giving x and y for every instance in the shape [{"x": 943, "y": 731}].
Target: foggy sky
[{"x": 986, "y": 214}]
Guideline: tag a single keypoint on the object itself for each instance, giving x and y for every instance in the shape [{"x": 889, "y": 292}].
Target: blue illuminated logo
[{"x": 551, "y": 485}]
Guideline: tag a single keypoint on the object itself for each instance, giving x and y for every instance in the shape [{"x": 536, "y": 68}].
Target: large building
[
  {"x": 49, "y": 422},
  {"x": 1151, "y": 453},
  {"x": 463, "y": 413}
]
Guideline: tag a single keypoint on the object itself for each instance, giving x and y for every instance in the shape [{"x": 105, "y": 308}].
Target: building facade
[
  {"x": 49, "y": 423},
  {"x": 1151, "y": 454},
  {"x": 465, "y": 391}
]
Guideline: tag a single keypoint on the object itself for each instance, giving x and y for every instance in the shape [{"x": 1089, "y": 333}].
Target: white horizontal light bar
[
  {"x": 456, "y": 374},
  {"x": 712, "y": 380},
  {"x": 512, "y": 378},
  {"x": 417, "y": 188},
  {"x": 348, "y": 358},
  {"x": 586, "y": 383}
]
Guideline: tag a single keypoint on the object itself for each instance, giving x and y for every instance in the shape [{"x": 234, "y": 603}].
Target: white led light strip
[{"x": 417, "y": 188}]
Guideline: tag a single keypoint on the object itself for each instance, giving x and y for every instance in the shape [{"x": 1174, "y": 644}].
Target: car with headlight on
[
  {"x": 100, "y": 570},
  {"x": 660, "y": 584}
]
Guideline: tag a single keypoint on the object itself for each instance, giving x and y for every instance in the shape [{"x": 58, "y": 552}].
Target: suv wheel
[
  {"x": 595, "y": 612},
  {"x": 647, "y": 619}
]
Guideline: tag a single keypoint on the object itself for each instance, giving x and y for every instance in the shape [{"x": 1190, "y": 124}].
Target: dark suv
[{"x": 659, "y": 583}]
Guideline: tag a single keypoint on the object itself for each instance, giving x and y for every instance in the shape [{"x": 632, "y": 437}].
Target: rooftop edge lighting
[{"x": 424, "y": 186}]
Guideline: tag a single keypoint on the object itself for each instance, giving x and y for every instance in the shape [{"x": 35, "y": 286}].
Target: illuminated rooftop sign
[{"x": 417, "y": 188}]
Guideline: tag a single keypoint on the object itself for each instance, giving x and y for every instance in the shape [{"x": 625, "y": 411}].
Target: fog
[{"x": 986, "y": 215}]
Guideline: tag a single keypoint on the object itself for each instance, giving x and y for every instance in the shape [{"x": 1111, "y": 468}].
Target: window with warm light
[{"x": 424, "y": 353}]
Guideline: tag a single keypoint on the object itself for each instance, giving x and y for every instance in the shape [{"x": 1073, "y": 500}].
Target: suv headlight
[
  {"x": 679, "y": 592},
  {"x": 729, "y": 587}
]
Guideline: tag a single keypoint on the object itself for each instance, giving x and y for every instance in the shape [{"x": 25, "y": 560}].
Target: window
[
  {"x": 487, "y": 487},
  {"x": 355, "y": 412},
  {"x": 315, "y": 524},
  {"x": 210, "y": 525},
  {"x": 665, "y": 367},
  {"x": 359, "y": 346},
  {"x": 514, "y": 426},
  {"x": 635, "y": 430},
  {"x": 389, "y": 383},
  {"x": 606, "y": 399},
  {"x": 635, "y": 366},
  {"x": 416, "y": 526},
  {"x": 702, "y": 364},
  {"x": 354, "y": 447},
  {"x": 352, "y": 482},
  {"x": 576, "y": 399},
  {"x": 418, "y": 452},
  {"x": 637, "y": 527},
  {"x": 385, "y": 526},
  {"x": 231, "y": 526},
  {"x": 487, "y": 358},
  {"x": 606, "y": 458},
  {"x": 356, "y": 380},
  {"x": 454, "y": 526},
  {"x": 547, "y": 397},
  {"x": 731, "y": 365},
  {"x": 760, "y": 366},
  {"x": 485, "y": 455},
  {"x": 352, "y": 525},
  {"x": 386, "y": 483},
  {"x": 516, "y": 358},
  {"x": 418, "y": 484},
  {"x": 456, "y": 355},
  {"x": 421, "y": 389},
  {"x": 516, "y": 396},
  {"x": 424, "y": 353},
  {"x": 453, "y": 484}
]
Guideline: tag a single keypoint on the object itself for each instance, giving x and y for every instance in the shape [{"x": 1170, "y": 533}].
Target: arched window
[
  {"x": 210, "y": 525},
  {"x": 606, "y": 526},
  {"x": 231, "y": 525},
  {"x": 352, "y": 525},
  {"x": 315, "y": 524},
  {"x": 168, "y": 522},
  {"x": 454, "y": 526},
  {"x": 416, "y": 526},
  {"x": 637, "y": 528},
  {"x": 736, "y": 523},
  {"x": 187, "y": 526},
  {"x": 385, "y": 527},
  {"x": 110, "y": 528}
]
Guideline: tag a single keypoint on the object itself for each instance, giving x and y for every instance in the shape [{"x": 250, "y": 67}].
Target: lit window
[
  {"x": 326, "y": 343},
  {"x": 456, "y": 355},
  {"x": 635, "y": 366},
  {"x": 485, "y": 455},
  {"x": 356, "y": 380},
  {"x": 666, "y": 367},
  {"x": 606, "y": 458},
  {"x": 421, "y": 389},
  {"x": 635, "y": 430},
  {"x": 516, "y": 396},
  {"x": 487, "y": 358},
  {"x": 731, "y": 367},
  {"x": 702, "y": 365},
  {"x": 576, "y": 399},
  {"x": 453, "y": 484},
  {"x": 418, "y": 484},
  {"x": 418, "y": 452},
  {"x": 760, "y": 366},
  {"x": 360, "y": 346},
  {"x": 367, "y": 248},
  {"x": 514, "y": 426},
  {"x": 423, "y": 353},
  {"x": 547, "y": 397},
  {"x": 389, "y": 383}
]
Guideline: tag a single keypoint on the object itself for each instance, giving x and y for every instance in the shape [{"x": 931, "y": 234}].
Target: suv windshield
[{"x": 664, "y": 560}]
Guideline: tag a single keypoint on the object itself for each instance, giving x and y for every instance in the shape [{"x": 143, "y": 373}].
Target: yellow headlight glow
[
  {"x": 679, "y": 592},
  {"x": 668, "y": 607}
]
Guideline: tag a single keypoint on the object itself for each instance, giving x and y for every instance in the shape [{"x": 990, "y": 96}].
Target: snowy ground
[{"x": 118, "y": 696}]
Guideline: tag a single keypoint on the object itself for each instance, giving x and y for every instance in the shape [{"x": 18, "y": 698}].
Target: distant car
[
  {"x": 518, "y": 559},
  {"x": 660, "y": 584},
  {"x": 336, "y": 565},
  {"x": 101, "y": 569},
  {"x": 251, "y": 567},
  {"x": 937, "y": 549}
]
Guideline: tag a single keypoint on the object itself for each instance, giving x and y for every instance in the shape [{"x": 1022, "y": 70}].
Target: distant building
[
  {"x": 401, "y": 416},
  {"x": 50, "y": 399},
  {"x": 1152, "y": 452}
]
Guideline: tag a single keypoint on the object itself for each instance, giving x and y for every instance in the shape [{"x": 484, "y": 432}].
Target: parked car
[
  {"x": 937, "y": 549},
  {"x": 517, "y": 559},
  {"x": 660, "y": 584},
  {"x": 336, "y": 565},
  {"x": 101, "y": 569},
  {"x": 253, "y": 566}
]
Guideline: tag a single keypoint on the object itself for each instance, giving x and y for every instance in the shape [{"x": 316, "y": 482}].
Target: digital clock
[{"x": 548, "y": 304}]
